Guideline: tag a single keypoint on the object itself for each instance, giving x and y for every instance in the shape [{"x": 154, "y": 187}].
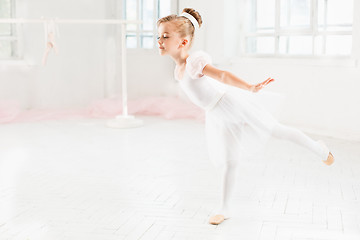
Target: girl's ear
[{"x": 184, "y": 42}]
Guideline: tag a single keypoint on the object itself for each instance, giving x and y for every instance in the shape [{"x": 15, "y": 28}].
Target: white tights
[{"x": 229, "y": 169}]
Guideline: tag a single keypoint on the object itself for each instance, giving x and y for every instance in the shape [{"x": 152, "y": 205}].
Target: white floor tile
[{"x": 78, "y": 179}]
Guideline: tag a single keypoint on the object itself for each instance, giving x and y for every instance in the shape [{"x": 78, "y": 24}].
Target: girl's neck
[{"x": 180, "y": 59}]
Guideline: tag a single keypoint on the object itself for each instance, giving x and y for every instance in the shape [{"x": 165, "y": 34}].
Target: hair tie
[{"x": 191, "y": 18}]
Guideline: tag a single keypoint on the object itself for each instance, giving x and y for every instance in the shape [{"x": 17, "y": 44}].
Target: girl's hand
[{"x": 257, "y": 87}]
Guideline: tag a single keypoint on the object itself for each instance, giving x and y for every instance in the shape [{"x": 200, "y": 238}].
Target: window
[
  {"x": 8, "y": 39},
  {"x": 144, "y": 35},
  {"x": 298, "y": 27}
]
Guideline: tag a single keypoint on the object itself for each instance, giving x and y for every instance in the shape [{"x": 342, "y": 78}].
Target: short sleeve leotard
[{"x": 197, "y": 86}]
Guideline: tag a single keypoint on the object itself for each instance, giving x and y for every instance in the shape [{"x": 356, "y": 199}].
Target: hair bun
[{"x": 194, "y": 13}]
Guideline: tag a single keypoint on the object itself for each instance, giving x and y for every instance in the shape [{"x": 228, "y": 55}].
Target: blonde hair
[{"x": 183, "y": 25}]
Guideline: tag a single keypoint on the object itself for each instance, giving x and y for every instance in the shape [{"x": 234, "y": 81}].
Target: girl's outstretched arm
[{"x": 230, "y": 79}]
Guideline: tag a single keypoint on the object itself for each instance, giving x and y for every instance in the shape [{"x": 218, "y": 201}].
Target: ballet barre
[
  {"x": 58, "y": 20},
  {"x": 121, "y": 121}
]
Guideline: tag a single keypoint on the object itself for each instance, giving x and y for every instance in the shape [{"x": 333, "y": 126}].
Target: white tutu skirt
[{"x": 240, "y": 125}]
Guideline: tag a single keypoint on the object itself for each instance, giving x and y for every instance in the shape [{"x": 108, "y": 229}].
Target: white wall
[
  {"x": 68, "y": 79},
  {"x": 88, "y": 65},
  {"x": 319, "y": 99}
]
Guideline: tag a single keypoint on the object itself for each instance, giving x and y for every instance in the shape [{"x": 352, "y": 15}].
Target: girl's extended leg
[{"x": 289, "y": 133}]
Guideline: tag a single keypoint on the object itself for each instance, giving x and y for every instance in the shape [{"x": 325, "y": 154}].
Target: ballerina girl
[{"x": 237, "y": 125}]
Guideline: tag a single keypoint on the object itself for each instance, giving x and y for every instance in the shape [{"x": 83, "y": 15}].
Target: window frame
[
  {"x": 13, "y": 37},
  {"x": 312, "y": 31},
  {"x": 139, "y": 32}
]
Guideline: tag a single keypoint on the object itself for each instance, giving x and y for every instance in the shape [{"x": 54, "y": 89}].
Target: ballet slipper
[
  {"x": 217, "y": 219},
  {"x": 49, "y": 45},
  {"x": 46, "y": 54},
  {"x": 51, "y": 30},
  {"x": 51, "y": 42},
  {"x": 330, "y": 159}
]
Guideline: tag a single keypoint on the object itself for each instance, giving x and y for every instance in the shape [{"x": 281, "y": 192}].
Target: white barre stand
[
  {"x": 124, "y": 120},
  {"x": 120, "y": 121}
]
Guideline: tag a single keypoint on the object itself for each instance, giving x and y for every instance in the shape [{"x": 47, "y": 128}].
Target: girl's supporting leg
[
  {"x": 223, "y": 149},
  {"x": 292, "y": 134},
  {"x": 228, "y": 178}
]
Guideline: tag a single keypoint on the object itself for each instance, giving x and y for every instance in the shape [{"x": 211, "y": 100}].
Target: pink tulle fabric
[
  {"x": 9, "y": 110},
  {"x": 166, "y": 107}
]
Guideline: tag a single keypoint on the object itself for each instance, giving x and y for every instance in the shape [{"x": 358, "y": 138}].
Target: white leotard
[{"x": 196, "y": 85}]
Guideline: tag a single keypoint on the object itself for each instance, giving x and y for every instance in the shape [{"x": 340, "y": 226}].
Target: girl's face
[{"x": 168, "y": 39}]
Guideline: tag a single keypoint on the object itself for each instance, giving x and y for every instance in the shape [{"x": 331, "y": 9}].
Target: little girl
[{"x": 237, "y": 125}]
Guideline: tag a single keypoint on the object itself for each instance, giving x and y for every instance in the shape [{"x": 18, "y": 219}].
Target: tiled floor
[{"x": 77, "y": 179}]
